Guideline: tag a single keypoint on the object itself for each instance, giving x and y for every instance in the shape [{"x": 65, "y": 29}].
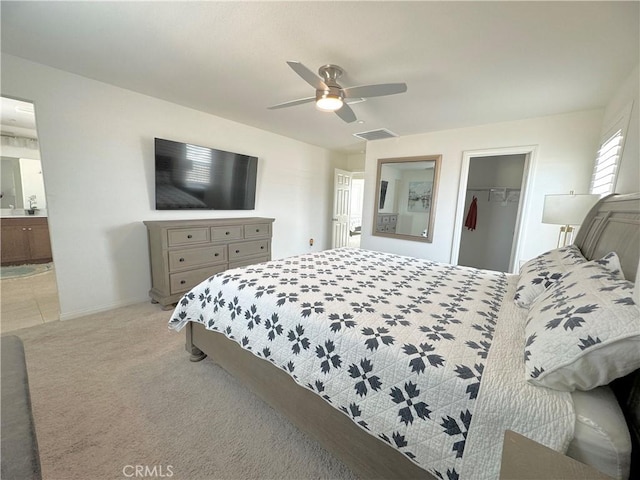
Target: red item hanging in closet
[{"x": 472, "y": 216}]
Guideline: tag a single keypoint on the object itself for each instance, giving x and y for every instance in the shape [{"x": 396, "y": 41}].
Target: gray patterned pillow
[
  {"x": 584, "y": 331},
  {"x": 544, "y": 270}
]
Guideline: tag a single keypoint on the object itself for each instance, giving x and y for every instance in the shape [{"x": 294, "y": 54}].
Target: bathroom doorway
[
  {"x": 355, "y": 212},
  {"x": 27, "y": 275}
]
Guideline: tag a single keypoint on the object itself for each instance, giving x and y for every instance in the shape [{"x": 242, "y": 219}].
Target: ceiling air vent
[{"x": 375, "y": 134}]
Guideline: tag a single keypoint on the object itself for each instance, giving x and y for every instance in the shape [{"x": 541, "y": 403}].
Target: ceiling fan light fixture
[
  {"x": 329, "y": 103},
  {"x": 331, "y": 97},
  {"x": 329, "y": 100}
]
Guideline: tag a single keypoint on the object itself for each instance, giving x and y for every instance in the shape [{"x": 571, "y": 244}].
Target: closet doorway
[{"x": 490, "y": 208}]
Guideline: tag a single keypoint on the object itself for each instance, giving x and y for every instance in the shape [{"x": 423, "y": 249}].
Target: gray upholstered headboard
[{"x": 613, "y": 225}]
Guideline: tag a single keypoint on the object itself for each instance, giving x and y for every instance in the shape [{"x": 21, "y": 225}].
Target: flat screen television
[{"x": 194, "y": 177}]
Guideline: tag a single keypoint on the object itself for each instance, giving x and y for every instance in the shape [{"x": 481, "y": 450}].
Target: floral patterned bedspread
[{"x": 402, "y": 346}]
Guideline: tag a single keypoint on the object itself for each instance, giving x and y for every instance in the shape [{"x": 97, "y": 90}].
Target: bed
[{"x": 406, "y": 368}]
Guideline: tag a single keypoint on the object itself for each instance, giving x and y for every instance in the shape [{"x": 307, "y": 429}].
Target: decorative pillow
[
  {"x": 540, "y": 272},
  {"x": 584, "y": 331},
  {"x": 611, "y": 262}
]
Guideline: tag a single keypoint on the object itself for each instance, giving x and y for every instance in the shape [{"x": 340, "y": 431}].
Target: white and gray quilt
[{"x": 427, "y": 357}]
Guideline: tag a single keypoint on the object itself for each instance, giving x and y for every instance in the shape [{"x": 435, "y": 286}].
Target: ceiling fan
[{"x": 331, "y": 97}]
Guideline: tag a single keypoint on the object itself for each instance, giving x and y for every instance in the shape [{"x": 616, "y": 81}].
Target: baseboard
[{"x": 102, "y": 308}]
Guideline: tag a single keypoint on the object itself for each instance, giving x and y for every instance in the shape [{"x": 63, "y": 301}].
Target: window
[{"x": 605, "y": 169}]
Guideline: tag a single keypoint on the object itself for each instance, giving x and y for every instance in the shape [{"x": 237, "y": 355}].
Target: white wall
[
  {"x": 356, "y": 162},
  {"x": 96, "y": 145},
  {"x": 565, "y": 149},
  {"x": 629, "y": 173}
]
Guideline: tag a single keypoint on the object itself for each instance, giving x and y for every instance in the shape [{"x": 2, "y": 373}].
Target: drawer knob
[
  {"x": 216, "y": 254},
  {"x": 181, "y": 260},
  {"x": 182, "y": 282},
  {"x": 262, "y": 247},
  {"x": 189, "y": 236},
  {"x": 237, "y": 251},
  {"x": 227, "y": 233},
  {"x": 257, "y": 230}
]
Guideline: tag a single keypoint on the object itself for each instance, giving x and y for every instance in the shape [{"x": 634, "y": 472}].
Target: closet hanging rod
[{"x": 493, "y": 189}]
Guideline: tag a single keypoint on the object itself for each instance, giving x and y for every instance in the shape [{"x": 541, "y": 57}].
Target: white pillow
[
  {"x": 584, "y": 331},
  {"x": 542, "y": 271},
  {"x": 545, "y": 271}
]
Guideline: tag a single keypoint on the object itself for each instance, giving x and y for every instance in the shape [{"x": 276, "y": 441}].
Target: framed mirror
[{"x": 406, "y": 191}]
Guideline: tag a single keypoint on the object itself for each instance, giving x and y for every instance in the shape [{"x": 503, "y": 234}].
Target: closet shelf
[{"x": 503, "y": 191}]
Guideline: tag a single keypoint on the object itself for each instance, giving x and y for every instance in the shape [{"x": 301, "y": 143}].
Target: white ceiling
[
  {"x": 465, "y": 63},
  {"x": 17, "y": 118}
]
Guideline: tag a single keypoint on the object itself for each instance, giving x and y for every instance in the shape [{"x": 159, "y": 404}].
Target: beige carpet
[{"x": 116, "y": 390}]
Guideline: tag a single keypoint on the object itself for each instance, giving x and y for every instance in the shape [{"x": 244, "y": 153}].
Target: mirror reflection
[
  {"x": 405, "y": 197},
  {"x": 22, "y": 185}
]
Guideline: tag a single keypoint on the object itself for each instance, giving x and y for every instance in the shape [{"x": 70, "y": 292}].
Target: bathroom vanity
[{"x": 25, "y": 239}]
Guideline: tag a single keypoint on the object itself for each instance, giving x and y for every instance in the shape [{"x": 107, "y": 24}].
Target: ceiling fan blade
[
  {"x": 308, "y": 76},
  {"x": 346, "y": 114},
  {"x": 292, "y": 103},
  {"x": 381, "y": 90}
]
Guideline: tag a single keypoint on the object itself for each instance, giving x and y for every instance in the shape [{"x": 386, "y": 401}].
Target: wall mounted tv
[{"x": 193, "y": 177}]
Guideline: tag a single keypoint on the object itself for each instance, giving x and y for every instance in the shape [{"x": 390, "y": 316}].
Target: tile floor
[{"x": 28, "y": 301}]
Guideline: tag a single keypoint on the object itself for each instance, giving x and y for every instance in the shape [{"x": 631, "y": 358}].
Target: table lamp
[{"x": 567, "y": 210}]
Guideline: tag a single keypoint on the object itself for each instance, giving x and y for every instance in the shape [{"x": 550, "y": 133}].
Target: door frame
[{"x": 529, "y": 151}]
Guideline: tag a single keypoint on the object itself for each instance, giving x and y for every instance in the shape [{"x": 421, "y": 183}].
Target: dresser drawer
[
  {"x": 257, "y": 230},
  {"x": 247, "y": 249},
  {"x": 388, "y": 228},
  {"x": 223, "y": 234},
  {"x": 250, "y": 261},
  {"x": 187, "y": 236},
  {"x": 183, "y": 281},
  {"x": 192, "y": 257}
]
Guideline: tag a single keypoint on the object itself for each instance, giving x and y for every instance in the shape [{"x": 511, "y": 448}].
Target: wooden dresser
[{"x": 183, "y": 253}]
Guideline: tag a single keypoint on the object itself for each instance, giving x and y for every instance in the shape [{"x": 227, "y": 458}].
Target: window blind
[{"x": 605, "y": 170}]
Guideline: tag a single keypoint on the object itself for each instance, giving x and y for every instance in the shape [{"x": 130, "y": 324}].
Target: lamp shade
[{"x": 567, "y": 209}]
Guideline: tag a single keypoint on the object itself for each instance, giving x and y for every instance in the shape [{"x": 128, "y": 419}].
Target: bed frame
[{"x": 612, "y": 225}]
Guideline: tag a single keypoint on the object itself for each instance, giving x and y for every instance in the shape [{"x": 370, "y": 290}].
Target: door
[
  {"x": 341, "y": 204},
  {"x": 39, "y": 243}
]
